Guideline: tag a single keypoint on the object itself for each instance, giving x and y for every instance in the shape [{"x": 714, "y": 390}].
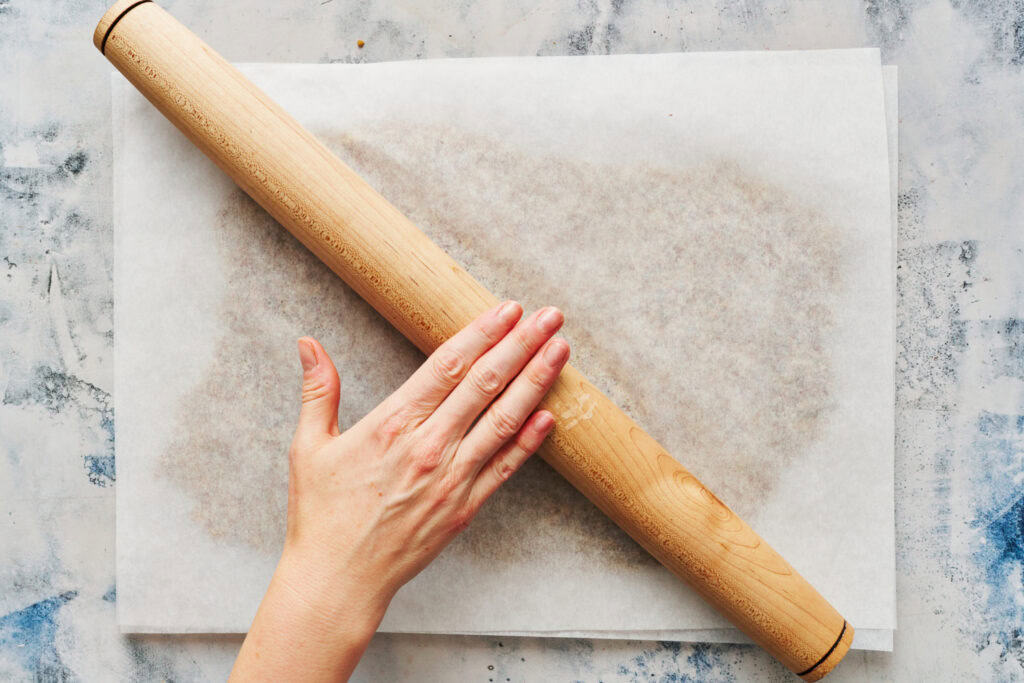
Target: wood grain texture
[{"x": 428, "y": 297}]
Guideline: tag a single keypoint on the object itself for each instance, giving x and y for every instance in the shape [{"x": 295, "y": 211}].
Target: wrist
[
  {"x": 309, "y": 623},
  {"x": 332, "y": 600}
]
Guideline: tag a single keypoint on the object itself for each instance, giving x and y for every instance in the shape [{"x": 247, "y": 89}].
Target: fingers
[
  {"x": 318, "y": 417},
  {"x": 506, "y": 416},
  {"x": 494, "y": 370},
  {"x": 450, "y": 362},
  {"x": 510, "y": 457}
]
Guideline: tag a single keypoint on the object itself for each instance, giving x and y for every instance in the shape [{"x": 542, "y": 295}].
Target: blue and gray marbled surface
[{"x": 960, "y": 373}]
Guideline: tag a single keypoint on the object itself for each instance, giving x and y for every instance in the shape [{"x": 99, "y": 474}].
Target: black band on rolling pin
[
  {"x": 826, "y": 655},
  {"x": 103, "y": 44}
]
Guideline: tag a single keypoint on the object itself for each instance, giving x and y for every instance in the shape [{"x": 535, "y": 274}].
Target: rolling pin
[{"x": 428, "y": 297}]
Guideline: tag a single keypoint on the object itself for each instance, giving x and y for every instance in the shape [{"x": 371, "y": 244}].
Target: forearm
[{"x": 307, "y": 629}]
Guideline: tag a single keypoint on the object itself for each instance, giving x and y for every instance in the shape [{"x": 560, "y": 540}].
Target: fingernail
[
  {"x": 544, "y": 422},
  {"x": 550, "y": 319},
  {"x": 509, "y": 311},
  {"x": 307, "y": 354},
  {"x": 556, "y": 353}
]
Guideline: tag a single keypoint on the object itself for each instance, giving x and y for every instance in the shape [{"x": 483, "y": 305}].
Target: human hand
[{"x": 369, "y": 508}]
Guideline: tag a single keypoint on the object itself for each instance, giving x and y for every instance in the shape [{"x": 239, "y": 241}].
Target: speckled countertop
[{"x": 960, "y": 365}]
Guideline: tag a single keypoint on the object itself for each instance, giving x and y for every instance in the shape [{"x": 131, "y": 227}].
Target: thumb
[{"x": 320, "y": 392}]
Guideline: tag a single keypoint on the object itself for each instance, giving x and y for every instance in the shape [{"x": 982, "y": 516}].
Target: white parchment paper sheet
[{"x": 717, "y": 228}]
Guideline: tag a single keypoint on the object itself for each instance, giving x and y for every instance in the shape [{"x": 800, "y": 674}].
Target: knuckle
[
  {"x": 448, "y": 365},
  {"x": 491, "y": 333},
  {"x": 392, "y": 427},
  {"x": 503, "y": 424},
  {"x": 314, "y": 391},
  {"x": 538, "y": 378},
  {"x": 503, "y": 469},
  {"x": 486, "y": 380},
  {"x": 525, "y": 445},
  {"x": 523, "y": 341},
  {"x": 528, "y": 442},
  {"x": 427, "y": 454}
]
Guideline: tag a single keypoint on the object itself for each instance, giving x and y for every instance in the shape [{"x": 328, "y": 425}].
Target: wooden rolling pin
[{"x": 428, "y": 297}]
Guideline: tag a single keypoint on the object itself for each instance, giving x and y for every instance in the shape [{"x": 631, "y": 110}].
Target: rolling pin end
[
  {"x": 835, "y": 655},
  {"x": 110, "y": 19}
]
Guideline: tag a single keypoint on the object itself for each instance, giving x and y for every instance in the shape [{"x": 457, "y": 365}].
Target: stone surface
[{"x": 960, "y": 335}]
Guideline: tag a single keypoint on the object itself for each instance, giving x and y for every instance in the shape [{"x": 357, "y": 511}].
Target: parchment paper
[{"x": 717, "y": 228}]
